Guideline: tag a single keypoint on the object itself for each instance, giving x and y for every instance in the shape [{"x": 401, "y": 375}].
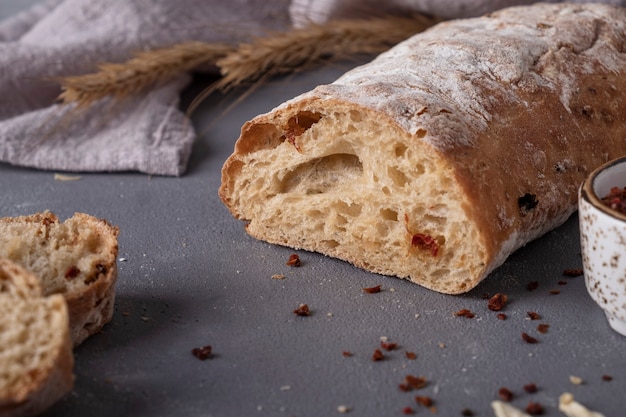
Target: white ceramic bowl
[{"x": 603, "y": 242}]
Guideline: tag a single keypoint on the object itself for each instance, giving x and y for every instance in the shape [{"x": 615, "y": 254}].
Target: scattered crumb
[
  {"x": 202, "y": 353},
  {"x": 278, "y": 276},
  {"x": 465, "y": 313},
  {"x": 502, "y": 409},
  {"x": 573, "y": 272},
  {"x": 410, "y": 355},
  {"x": 388, "y": 346},
  {"x": 294, "y": 260},
  {"x": 285, "y": 388},
  {"x": 377, "y": 355},
  {"x": 571, "y": 408},
  {"x": 497, "y": 302},
  {"x": 534, "y": 409},
  {"x": 302, "y": 310},
  {"x": 505, "y": 394},
  {"x": 543, "y": 328},
  {"x": 530, "y": 388},
  {"x": 533, "y": 315},
  {"x": 442, "y": 345},
  {"x": 122, "y": 259},
  {"x": 607, "y": 378},
  {"x": 576, "y": 380},
  {"x": 65, "y": 177},
  {"x": 373, "y": 290},
  {"x": 329, "y": 314},
  {"x": 528, "y": 338},
  {"x": 344, "y": 409}
]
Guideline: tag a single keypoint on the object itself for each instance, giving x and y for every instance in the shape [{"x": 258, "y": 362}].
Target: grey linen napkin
[
  {"x": 147, "y": 133},
  {"x": 320, "y": 11}
]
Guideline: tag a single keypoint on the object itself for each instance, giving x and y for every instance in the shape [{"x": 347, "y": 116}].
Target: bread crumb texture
[
  {"x": 441, "y": 157},
  {"x": 36, "y": 358}
]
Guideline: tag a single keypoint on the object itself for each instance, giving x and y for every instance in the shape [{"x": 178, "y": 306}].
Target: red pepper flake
[
  {"x": 425, "y": 401},
  {"x": 533, "y": 315},
  {"x": 501, "y": 316},
  {"x": 555, "y": 292},
  {"x": 410, "y": 355},
  {"x": 378, "y": 355},
  {"x": 425, "y": 242},
  {"x": 294, "y": 260},
  {"x": 202, "y": 353},
  {"x": 616, "y": 199},
  {"x": 373, "y": 290},
  {"x": 562, "y": 283},
  {"x": 72, "y": 272},
  {"x": 529, "y": 339},
  {"x": 543, "y": 328},
  {"x": 534, "y": 409},
  {"x": 388, "y": 346},
  {"x": 465, "y": 313},
  {"x": 466, "y": 412},
  {"x": 415, "y": 382},
  {"x": 532, "y": 286},
  {"x": 302, "y": 310},
  {"x": 530, "y": 388},
  {"x": 505, "y": 394},
  {"x": 497, "y": 302},
  {"x": 408, "y": 411},
  {"x": 607, "y": 378},
  {"x": 346, "y": 353},
  {"x": 573, "y": 272}
]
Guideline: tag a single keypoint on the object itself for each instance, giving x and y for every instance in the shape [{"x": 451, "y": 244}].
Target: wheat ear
[
  {"x": 297, "y": 49},
  {"x": 146, "y": 69},
  {"x": 264, "y": 57}
]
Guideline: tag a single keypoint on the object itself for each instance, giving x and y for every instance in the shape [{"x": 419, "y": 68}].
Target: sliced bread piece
[
  {"x": 36, "y": 359},
  {"x": 76, "y": 258}
]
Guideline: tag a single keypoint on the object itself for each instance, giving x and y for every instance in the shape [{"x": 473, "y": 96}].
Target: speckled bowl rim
[{"x": 588, "y": 192}]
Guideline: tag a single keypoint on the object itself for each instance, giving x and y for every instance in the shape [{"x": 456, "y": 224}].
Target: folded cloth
[
  {"x": 148, "y": 132},
  {"x": 319, "y": 11}
]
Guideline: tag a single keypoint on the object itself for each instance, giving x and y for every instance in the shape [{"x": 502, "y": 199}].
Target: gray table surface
[{"x": 189, "y": 276}]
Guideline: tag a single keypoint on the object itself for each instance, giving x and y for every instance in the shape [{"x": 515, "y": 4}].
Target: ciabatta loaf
[
  {"x": 36, "y": 359},
  {"x": 445, "y": 154},
  {"x": 76, "y": 258}
]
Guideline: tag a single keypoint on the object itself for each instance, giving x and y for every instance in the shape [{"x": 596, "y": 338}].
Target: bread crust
[
  {"x": 40, "y": 384},
  {"x": 517, "y": 107}
]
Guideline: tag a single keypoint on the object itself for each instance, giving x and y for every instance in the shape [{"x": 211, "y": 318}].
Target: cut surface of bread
[
  {"x": 441, "y": 157},
  {"x": 76, "y": 258},
  {"x": 36, "y": 359}
]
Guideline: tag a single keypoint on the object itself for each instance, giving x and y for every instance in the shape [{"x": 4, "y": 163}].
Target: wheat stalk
[
  {"x": 300, "y": 48},
  {"x": 146, "y": 69},
  {"x": 262, "y": 58}
]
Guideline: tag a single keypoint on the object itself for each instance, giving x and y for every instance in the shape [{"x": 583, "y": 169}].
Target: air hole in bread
[
  {"x": 398, "y": 177},
  {"x": 321, "y": 175},
  {"x": 352, "y": 209},
  {"x": 400, "y": 150},
  {"x": 388, "y": 214}
]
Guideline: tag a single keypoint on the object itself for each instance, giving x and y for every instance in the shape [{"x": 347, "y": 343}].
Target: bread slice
[
  {"x": 441, "y": 157},
  {"x": 36, "y": 359},
  {"x": 76, "y": 258}
]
